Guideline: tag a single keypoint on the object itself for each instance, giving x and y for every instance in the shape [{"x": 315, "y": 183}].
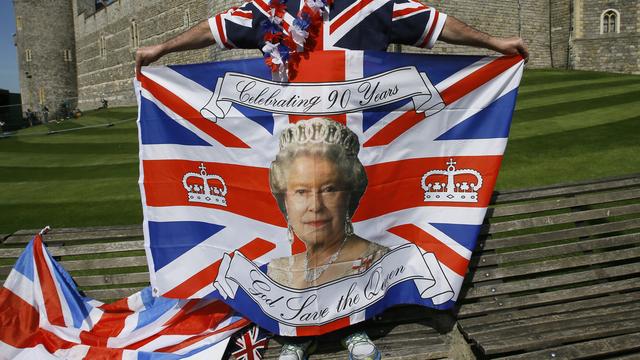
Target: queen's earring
[
  {"x": 290, "y": 235},
  {"x": 348, "y": 227}
]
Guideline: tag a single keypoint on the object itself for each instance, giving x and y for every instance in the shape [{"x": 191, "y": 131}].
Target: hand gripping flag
[
  {"x": 43, "y": 316},
  {"x": 312, "y": 205}
]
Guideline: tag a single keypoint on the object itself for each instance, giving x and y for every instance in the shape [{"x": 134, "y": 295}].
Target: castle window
[
  {"x": 28, "y": 56},
  {"x": 67, "y": 55},
  {"x": 103, "y": 46},
  {"x": 18, "y": 23},
  {"x": 135, "y": 35},
  {"x": 186, "y": 19},
  {"x": 610, "y": 22}
]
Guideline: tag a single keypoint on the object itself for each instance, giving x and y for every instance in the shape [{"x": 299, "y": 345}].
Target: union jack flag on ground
[
  {"x": 432, "y": 135},
  {"x": 43, "y": 316}
]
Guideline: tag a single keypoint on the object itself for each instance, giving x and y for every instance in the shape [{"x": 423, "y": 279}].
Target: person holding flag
[{"x": 287, "y": 30}]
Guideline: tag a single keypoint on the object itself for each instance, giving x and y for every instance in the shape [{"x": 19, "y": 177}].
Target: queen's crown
[
  {"x": 205, "y": 188},
  {"x": 454, "y": 190},
  {"x": 320, "y": 131}
]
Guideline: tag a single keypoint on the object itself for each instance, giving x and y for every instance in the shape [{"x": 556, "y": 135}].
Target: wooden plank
[
  {"x": 564, "y": 190},
  {"x": 80, "y": 235},
  {"x": 113, "y": 279},
  {"x": 563, "y": 203},
  {"x": 83, "y": 249},
  {"x": 583, "y": 231},
  {"x": 550, "y": 251},
  {"x": 565, "y": 313},
  {"x": 543, "y": 340},
  {"x": 567, "y": 263},
  {"x": 590, "y": 349},
  {"x": 547, "y": 282},
  {"x": 104, "y": 294},
  {"x": 635, "y": 356},
  {"x": 92, "y": 264},
  {"x": 572, "y": 217},
  {"x": 551, "y": 297},
  {"x": 508, "y": 316},
  {"x": 376, "y": 329},
  {"x": 555, "y": 323},
  {"x": 109, "y": 263},
  {"x": 32, "y": 232},
  {"x": 409, "y": 313}
]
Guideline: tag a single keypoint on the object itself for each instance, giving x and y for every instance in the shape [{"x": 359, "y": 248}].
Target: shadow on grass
[
  {"x": 619, "y": 134},
  {"x": 10, "y": 174},
  {"x": 575, "y": 89},
  {"x": 116, "y": 148},
  {"x": 574, "y": 107},
  {"x": 544, "y": 77},
  {"x": 595, "y": 152},
  {"x": 70, "y": 214}
]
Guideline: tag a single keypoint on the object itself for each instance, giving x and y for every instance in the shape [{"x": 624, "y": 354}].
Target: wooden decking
[{"x": 556, "y": 275}]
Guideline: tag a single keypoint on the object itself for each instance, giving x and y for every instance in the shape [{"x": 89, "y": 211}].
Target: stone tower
[{"x": 46, "y": 53}]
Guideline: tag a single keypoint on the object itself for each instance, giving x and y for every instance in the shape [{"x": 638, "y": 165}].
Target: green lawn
[{"x": 568, "y": 126}]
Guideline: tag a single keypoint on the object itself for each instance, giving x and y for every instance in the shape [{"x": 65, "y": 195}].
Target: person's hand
[
  {"x": 147, "y": 55},
  {"x": 512, "y": 46}
]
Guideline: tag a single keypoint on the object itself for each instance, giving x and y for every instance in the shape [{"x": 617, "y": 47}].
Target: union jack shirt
[{"x": 348, "y": 24}]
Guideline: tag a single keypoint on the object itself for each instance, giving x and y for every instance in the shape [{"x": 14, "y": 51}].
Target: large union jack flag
[{"x": 431, "y": 172}]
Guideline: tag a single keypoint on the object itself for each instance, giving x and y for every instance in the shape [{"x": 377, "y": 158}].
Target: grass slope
[{"x": 568, "y": 126}]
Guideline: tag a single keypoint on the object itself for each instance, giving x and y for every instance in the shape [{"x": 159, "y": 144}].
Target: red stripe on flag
[
  {"x": 429, "y": 243},
  {"x": 192, "y": 323},
  {"x": 110, "y": 324},
  {"x": 193, "y": 116},
  {"x": 18, "y": 320},
  {"x": 323, "y": 329},
  {"x": 263, "y": 5},
  {"x": 19, "y": 325},
  {"x": 347, "y": 15},
  {"x": 242, "y": 14},
  {"x": 407, "y": 11},
  {"x": 394, "y": 129},
  {"x": 104, "y": 353},
  {"x": 248, "y": 192},
  {"x": 192, "y": 340},
  {"x": 198, "y": 320},
  {"x": 52, "y": 302},
  {"x": 479, "y": 78},
  {"x": 432, "y": 29},
  {"x": 313, "y": 68},
  {"x": 252, "y": 250},
  {"x": 221, "y": 31},
  {"x": 453, "y": 93},
  {"x": 397, "y": 185}
]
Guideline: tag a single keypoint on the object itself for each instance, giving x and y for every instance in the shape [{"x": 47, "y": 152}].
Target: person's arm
[
  {"x": 459, "y": 33},
  {"x": 197, "y": 37}
]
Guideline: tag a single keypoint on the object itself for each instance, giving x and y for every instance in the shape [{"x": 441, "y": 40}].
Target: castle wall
[
  {"x": 545, "y": 25},
  {"x": 109, "y": 73},
  {"x": 45, "y": 30},
  {"x": 526, "y": 18},
  {"x": 611, "y": 52},
  {"x": 560, "y": 24}
]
